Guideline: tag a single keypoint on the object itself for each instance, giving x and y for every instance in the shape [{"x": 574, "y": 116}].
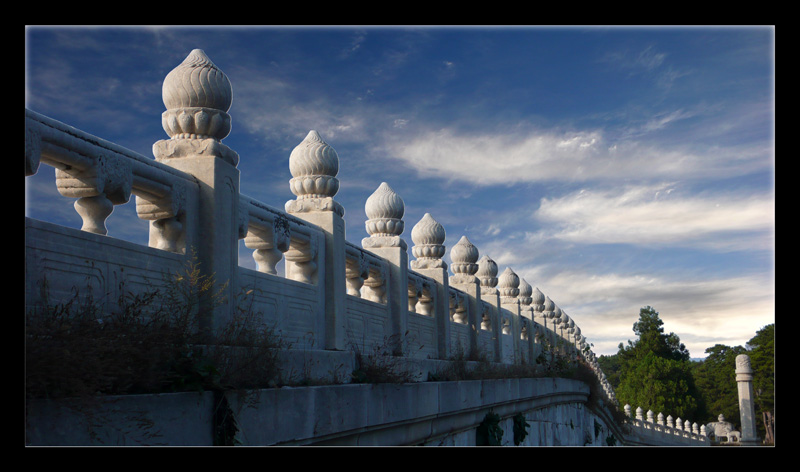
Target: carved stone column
[
  {"x": 428, "y": 237},
  {"x": 463, "y": 262},
  {"x": 197, "y": 96},
  {"x": 526, "y": 312},
  {"x": 487, "y": 275},
  {"x": 314, "y": 165},
  {"x": 385, "y": 210},
  {"x": 744, "y": 382}
]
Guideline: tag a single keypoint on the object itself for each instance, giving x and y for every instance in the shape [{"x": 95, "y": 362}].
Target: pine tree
[
  {"x": 762, "y": 360},
  {"x": 655, "y": 371}
]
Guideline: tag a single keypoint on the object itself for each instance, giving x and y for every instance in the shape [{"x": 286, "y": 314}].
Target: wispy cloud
[
  {"x": 655, "y": 215},
  {"x": 536, "y": 155}
]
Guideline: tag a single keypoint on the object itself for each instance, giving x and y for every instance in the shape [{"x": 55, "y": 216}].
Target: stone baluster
[
  {"x": 425, "y": 304},
  {"x": 97, "y": 189},
  {"x": 301, "y": 260},
  {"x": 428, "y": 237},
  {"x": 627, "y": 409},
  {"x": 639, "y": 412},
  {"x": 197, "y": 96},
  {"x": 414, "y": 293},
  {"x": 356, "y": 270},
  {"x": 670, "y": 422},
  {"x": 661, "y": 418},
  {"x": 268, "y": 244},
  {"x": 650, "y": 416},
  {"x": 167, "y": 216},
  {"x": 375, "y": 286},
  {"x": 695, "y": 428}
]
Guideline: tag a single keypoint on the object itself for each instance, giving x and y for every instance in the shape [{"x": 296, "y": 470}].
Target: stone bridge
[{"x": 330, "y": 294}]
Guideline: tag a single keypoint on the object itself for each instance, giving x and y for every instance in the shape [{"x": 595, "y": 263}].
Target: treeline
[{"x": 656, "y": 373}]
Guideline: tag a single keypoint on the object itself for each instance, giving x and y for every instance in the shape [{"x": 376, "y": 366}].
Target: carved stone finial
[
  {"x": 525, "y": 292},
  {"x": 428, "y": 237},
  {"x": 463, "y": 261},
  {"x": 548, "y": 307},
  {"x": 384, "y": 209},
  {"x": 487, "y": 275},
  {"x": 314, "y": 165},
  {"x": 508, "y": 286},
  {"x": 197, "y": 95}
]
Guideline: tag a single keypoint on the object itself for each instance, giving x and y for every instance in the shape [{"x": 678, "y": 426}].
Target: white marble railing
[
  {"x": 330, "y": 287},
  {"x": 472, "y": 307},
  {"x": 650, "y": 425}
]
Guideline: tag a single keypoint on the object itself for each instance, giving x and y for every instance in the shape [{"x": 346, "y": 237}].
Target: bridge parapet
[{"x": 330, "y": 293}]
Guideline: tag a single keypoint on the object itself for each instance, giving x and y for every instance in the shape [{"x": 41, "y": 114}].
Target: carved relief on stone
[{"x": 743, "y": 363}]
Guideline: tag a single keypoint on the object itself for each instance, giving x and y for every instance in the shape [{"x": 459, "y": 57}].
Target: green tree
[
  {"x": 655, "y": 370},
  {"x": 762, "y": 360},
  {"x": 716, "y": 381}
]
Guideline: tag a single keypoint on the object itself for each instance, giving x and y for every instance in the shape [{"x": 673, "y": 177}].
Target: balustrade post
[
  {"x": 428, "y": 237},
  {"x": 537, "y": 305},
  {"x": 508, "y": 287},
  {"x": 385, "y": 210},
  {"x": 526, "y": 313},
  {"x": 463, "y": 261},
  {"x": 487, "y": 275},
  {"x": 314, "y": 165},
  {"x": 197, "y": 96},
  {"x": 550, "y": 332}
]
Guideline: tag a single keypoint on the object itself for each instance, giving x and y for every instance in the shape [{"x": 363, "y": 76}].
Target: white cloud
[
  {"x": 529, "y": 155},
  {"x": 605, "y": 306},
  {"x": 656, "y": 215}
]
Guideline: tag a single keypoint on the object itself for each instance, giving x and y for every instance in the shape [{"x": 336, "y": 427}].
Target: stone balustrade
[
  {"x": 330, "y": 288},
  {"x": 646, "y": 424}
]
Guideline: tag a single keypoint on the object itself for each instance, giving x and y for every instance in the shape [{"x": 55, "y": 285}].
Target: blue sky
[{"x": 612, "y": 168}]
